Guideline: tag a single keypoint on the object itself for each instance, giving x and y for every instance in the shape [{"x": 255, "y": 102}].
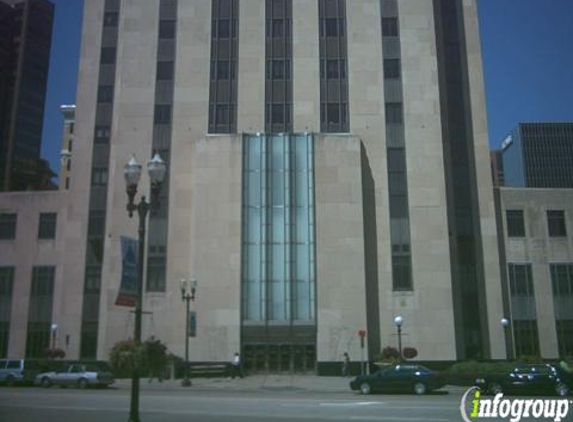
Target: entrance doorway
[{"x": 279, "y": 358}]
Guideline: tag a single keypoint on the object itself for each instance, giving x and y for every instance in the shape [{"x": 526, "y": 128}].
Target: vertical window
[
  {"x": 394, "y": 113},
  {"x": 40, "y": 311},
  {"x": 47, "y": 225},
  {"x": 99, "y": 176},
  {"x": 391, "y": 68},
  {"x": 162, "y": 114},
  {"x": 526, "y": 338},
  {"x": 8, "y": 226},
  {"x": 515, "y": 224},
  {"x": 556, "y": 223},
  {"x": 520, "y": 280},
  {"x": 165, "y": 71},
  {"x": 565, "y": 337},
  {"x": 224, "y": 46},
  {"x": 110, "y": 19},
  {"x": 6, "y": 285},
  {"x": 167, "y": 29},
  {"x": 390, "y": 27},
  {"x": 108, "y": 55},
  {"x": 332, "y": 61},
  {"x": 278, "y": 282},
  {"x": 105, "y": 94},
  {"x": 102, "y": 134},
  {"x": 278, "y": 55}
]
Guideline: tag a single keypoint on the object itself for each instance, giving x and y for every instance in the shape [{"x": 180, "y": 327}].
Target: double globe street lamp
[
  {"x": 156, "y": 169},
  {"x": 398, "y": 323},
  {"x": 187, "y": 296}
]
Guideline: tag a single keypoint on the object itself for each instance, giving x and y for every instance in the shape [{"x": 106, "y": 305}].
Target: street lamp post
[
  {"x": 187, "y": 297},
  {"x": 132, "y": 172},
  {"x": 508, "y": 340},
  {"x": 54, "y": 330},
  {"x": 398, "y": 323}
]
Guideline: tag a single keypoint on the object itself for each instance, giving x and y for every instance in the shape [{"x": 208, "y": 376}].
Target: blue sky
[{"x": 527, "y": 58}]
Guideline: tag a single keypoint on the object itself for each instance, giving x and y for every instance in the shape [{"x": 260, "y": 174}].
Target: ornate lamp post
[
  {"x": 132, "y": 172},
  {"x": 508, "y": 340},
  {"x": 187, "y": 297},
  {"x": 54, "y": 330},
  {"x": 398, "y": 323}
]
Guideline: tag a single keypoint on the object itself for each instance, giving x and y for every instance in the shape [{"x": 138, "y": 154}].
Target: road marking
[
  {"x": 359, "y": 403},
  {"x": 396, "y": 418}
]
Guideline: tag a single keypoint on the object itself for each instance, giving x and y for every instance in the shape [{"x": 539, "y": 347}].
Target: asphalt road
[{"x": 111, "y": 405}]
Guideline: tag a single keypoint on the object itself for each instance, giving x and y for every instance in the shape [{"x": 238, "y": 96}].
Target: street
[{"x": 279, "y": 404}]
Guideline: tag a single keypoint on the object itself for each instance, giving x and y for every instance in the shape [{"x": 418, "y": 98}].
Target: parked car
[
  {"x": 529, "y": 379},
  {"x": 78, "y": 375},
  {"x": 21, "y": 371},
  {"x": 399, "y": 378}
]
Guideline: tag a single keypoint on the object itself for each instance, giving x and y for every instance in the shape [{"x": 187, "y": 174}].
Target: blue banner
[{"x": 127, "y": 294}]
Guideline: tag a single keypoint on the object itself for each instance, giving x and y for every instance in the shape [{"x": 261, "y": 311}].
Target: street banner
[
  {"x": 127, "y": 294},
  {"x": 192, "y": 324}
]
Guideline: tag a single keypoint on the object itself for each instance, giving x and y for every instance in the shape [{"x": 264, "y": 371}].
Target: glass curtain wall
[{"x": 278, "y": 276}]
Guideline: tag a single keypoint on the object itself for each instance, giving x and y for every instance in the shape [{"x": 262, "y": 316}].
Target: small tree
[
  {"x": 156, "y": 356},
  {"x": 126, "y": 355},
  {"x": 390, "y": 353},
  {"x": 409, "y": 352}
]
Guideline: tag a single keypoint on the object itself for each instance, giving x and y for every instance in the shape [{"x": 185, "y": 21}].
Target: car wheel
[
  {"x": 10, "y": 381},
  {"x": 562, "y": 390},
  {"x": 46, "y": 383},
  {"x": 365, "y": 388},
  {"x": 420, "y": 388},
  {"x": 495, "y": 389},
  {"x": 82, "y": 383}
]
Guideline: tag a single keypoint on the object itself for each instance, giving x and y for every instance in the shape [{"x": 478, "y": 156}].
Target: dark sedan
[
  {"x": 529, "y": 379},
  {"x": 399, "y": 379}
]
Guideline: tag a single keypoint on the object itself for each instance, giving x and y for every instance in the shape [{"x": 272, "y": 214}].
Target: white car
[{"x": 78, "y": 375}]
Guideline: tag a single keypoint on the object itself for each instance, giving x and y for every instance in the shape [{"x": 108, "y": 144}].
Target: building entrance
[{"x": 279, "y": 358}]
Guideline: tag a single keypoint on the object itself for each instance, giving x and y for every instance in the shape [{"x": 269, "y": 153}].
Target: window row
[
  {"x": 333, "y": 69},
  {"x": 556, "y": 226},
  {"x": 46, "y": 225},
  {"x": 223, "y": 69}
]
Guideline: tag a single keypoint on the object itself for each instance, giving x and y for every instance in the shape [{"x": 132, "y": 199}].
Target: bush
[
  {"x": 390, "y": 352},
  {"x": 127, "y": 355},
  {"x": 409, "y": 353},
  {"x": 54, "y": 353}
]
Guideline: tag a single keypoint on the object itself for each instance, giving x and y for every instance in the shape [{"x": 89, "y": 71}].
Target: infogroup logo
[{"x": 478, "y": 408}]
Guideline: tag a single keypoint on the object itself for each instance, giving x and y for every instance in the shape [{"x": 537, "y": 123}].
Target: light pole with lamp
[
  {"x": 132, "y": 172},
  {"x": 187, "y": 296},
  {"x": 508, "y": 341},
  {"x": 398, "y": 323},
  {"x": 54, "y": 330}
]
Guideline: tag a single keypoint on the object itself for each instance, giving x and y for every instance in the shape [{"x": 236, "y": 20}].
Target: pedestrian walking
[
  {"x": 236, "y": 366},
  {"x": 346, "y": 365}
]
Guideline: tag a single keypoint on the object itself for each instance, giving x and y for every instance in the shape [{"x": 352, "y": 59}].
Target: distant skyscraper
[
  {"x": 25, "y": 38},
  {"x": 539, "y": 155},
  {"x": 69, "y": 113}
]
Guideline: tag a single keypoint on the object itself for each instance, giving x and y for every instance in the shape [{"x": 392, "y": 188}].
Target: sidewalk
[
  {"x": 292, "y": 383},
  {"x": 250, "y": 383}
]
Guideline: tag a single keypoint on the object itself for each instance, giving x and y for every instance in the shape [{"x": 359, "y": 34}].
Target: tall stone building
[
  {"x": 328, "y": 170},
  {"x": 25, "y": 39}
]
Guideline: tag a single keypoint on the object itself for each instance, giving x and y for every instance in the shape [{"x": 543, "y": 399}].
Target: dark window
[
  {"x": 223, "y": 114},
  {"x": 47, "y": 225},
  {"x": 391, "y": 68},
  {"x": 394, "y": 113},
  {"x": 96, "y": 222},
  {"x": 278, "y": 69},
  {"x": 105, "y": 94},
  {"x": 110, "y": 19},
  {"x": 8, "y": 225},
  {"x": 562, "y": 279},
  {"x": 278, "y": 28},
  {"x": 331, "y": 27},
  {"x": 99, "y": 176},
  {"x": 556, "y": 223},
  {"x": 162, "y": 114},
  {"x": 333, "y": 113},
  {"x": 223, "y": 69},
  {"x": 526, "y": 338},
  {"x": 401, "y": 272},
  {"x": 515, "y": 224},
  {"x": 93, "y": 279},
  {"x": 389, "y": 27},
  {"x": 167, "y": 29},
  {"x": 223, "y": 28},
  {"x": 107, "y": 55},
  {"x": 71, "y": 131},
  {"x": 102, "y": 134},
  {"x": 165, "y": 71},
  {"x": 277, "y": 113},
  {"x": 6, "y": 285},
  {"x": 520, "y": 279},
  {"x": 565, "y": 337},
  {"x": 156, "y": 273}
]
